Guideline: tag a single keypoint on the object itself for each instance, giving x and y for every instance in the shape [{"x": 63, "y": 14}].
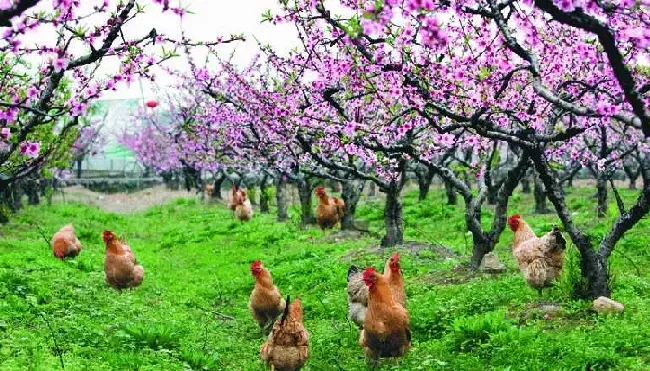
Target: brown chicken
[
  {"x": 386, "y": 330},
  {"x": 209, "y": 190},
  {"x": 358, "y": 291},
  {"x": 120, "y": 265},
  {"x": 287, "y": 348},
  {"x": 65, "y": 243},
  {"x": 540, "y": 259},
  {"x": 234, "y": 199},
  {"x": 265, "y": 303},
  {"x": 243, "y": 207},
  {"x": 329, "y": 211},
  {"x": 393, "y": 273}
]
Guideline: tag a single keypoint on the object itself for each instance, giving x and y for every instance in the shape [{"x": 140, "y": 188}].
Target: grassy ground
[{"x": 190, "y": 312}]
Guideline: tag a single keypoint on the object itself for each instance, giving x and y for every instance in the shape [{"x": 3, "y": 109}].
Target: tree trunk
[
  {"x": 425, "y": 177},
  {"x": 632, "y": 184},
  {"x": 492, "y": 196},
  {"x": 281, "y": 200},
  {"x": 393, "y": 219},
  {"x": 305, "y": 195},
  {"x": 539, "y": 193},
  {"x": 351, "y": 194},
  {"x": 17, "y": 196},
  {"x": 218, "y": 184},
  {"x": 601, "y": 195},
  {"x": 264, "y": 196},
  {"x": 5, "y": 203},
  {"x": 79, "y": 161},
  {"x": 525, "y": 185},
  {"x": 452, "y": 196},
  {"x": 32, "y": 188},
  {"x": 372, "y": 191}
]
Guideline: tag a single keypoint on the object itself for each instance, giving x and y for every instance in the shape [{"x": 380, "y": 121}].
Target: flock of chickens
[{"x": 376, "y": 301}]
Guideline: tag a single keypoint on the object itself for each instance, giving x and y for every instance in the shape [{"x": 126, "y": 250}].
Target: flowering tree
[
  {"x": 462, "y": 67},
  {"x": 49, "y": 99}
]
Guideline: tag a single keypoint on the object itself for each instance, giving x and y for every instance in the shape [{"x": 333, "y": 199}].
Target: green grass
[{"x": 191, "y": 310}]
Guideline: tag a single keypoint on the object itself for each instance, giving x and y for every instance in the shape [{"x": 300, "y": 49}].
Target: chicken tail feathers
[
  {"x": 559, "y": 238},
  {"x": 286, "y": 310},
  {"x": 353, "y": 270}
]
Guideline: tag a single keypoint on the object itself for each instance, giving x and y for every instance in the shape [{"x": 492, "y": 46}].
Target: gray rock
[
  {"x": 492, "y": 264},
  {"x": 604, "y": 305}
]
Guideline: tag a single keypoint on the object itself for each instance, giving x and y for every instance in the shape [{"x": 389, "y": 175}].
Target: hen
[
  {"x": 358, "y": 291},
  {"x": 386, "y": 330},
  {"x": 234, "y": 199},
  {"x": 243, "y": 207},
  {"x": 265, "y": 303},
  {"x": 329, "y": 211},
  {"x": 120, "y": 266},
  {"x": 540, "y": 259},
  {"x": 65, "y": 243},
  {"x": 287, "y": 348}
]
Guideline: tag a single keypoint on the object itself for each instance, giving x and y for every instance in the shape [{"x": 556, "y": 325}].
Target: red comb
[{"x": 256, "y": 264}]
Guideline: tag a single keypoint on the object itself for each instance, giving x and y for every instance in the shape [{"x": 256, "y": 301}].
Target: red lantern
[{"x": 152, "y": 104}]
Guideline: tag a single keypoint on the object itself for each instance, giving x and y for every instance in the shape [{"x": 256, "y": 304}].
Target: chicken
[
  {"x": 243, "y": 207},
  {"x": 209, "y": 190},
  {"x": 540, "y": 259},
  {"x": 265, "y": 303},
  {"x": 329, "y": 211},
  {"x": 65, "y": 243},
  {"x": 393, "y": 273},
  {"x": 287, "y": 347},
  {"x": 357, "y": 296},
  {"x": 120, "y": 265},
  {"x": 358, "y": 291},
  {"x": 234, "y": 199},
  {"x": 386, "y": 330}
]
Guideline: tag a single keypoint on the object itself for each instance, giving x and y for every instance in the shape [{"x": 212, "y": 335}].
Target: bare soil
[{"x": 121, "y": 203}]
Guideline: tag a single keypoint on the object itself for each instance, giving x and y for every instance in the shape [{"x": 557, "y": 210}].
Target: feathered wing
[
  {"x": 357, "y": 296},
  {"x": 287, "y": 347}
]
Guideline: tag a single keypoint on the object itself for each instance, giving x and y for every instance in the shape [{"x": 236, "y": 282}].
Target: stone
[
  {"x": 492, "y": 264},
  {"x": 604, "y": 305}
]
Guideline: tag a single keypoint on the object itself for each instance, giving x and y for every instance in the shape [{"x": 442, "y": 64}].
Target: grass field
[{"x": 191, "y": 310}]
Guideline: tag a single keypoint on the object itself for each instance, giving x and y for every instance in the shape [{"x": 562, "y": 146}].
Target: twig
[
  {"x": 42, "y": 233},
  {"x": 59, "y": 353}
]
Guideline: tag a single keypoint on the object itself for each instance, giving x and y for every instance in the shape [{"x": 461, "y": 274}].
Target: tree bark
[
  {"x": 601, "y": 195},
  {"x": 264, "y": 194},
  {"x": 425, "y": 177},
  {"x": 525, "y": 185},
  {"x": 32, "y": 188},
  {"x": 218, "y": 184},
  {"x": 305, "y": 195},
  {"x": 351, "y": 194},
  {"x": 281, "y": 200},
  {"x": 393, "y": 218},
  {"x": 16, "y": 196},
  {"x": 539, "y": 193},
  {"x": 79, "y": 161},
  {"x": 372, "y": 191},
  {"x": 452, "y": 196}
]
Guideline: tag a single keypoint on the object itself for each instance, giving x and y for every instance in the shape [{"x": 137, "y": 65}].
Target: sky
[{"x": 210, "y": 19}]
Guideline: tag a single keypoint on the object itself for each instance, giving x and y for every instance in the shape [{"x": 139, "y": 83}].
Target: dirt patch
[
  {"x": 458, "y": 275},
  {"x": 121, "y": 203},
  {"x": 415, "y": 248}
]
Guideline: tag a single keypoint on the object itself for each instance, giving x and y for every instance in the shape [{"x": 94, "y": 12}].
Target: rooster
[
  {"x": 287, "y": 348},
  {"x": 235, "y": 197},
  {"x": 386, "y": 330},
  {"x": 329, "y": 211},
  {"x": 243, "y": 207},
  {"x": 120, "y": 265},
  {"x": 65, "y": 243},
  {"x": 540, "y": 259},
  {"x": 265, "y": 303},
  {"x": 358, "y": 291}
]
